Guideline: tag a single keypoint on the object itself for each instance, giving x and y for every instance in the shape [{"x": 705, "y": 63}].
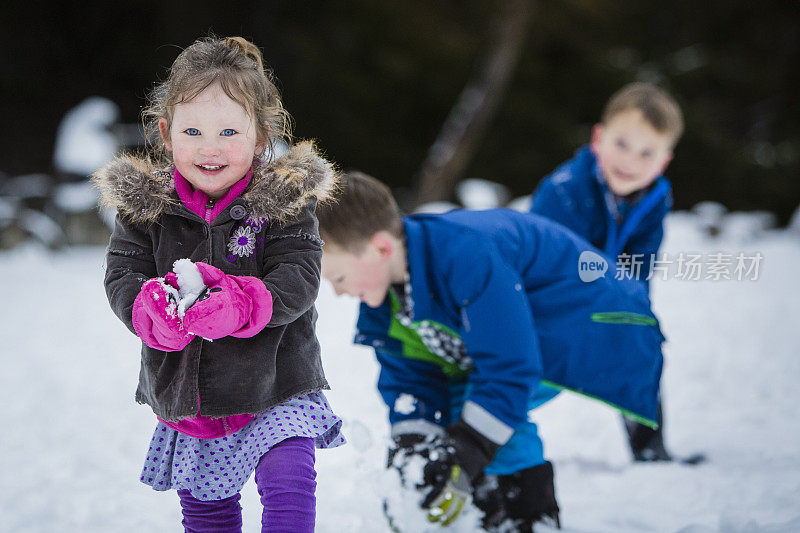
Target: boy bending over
[{"x": 477, "y": 317}]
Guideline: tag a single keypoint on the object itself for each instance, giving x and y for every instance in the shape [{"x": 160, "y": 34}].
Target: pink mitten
[
  {"x": 155, "y": 317},
  {"x": 240, "y": 306}
]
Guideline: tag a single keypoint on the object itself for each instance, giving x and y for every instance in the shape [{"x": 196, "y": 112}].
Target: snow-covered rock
[
  {"x": 474, "y": 193},
  {"x": 522, "y": 203},
  {"x": 709, "y": 216},
  {"x": 436, "y": 207},
  {"x": 84, "y": 141}
]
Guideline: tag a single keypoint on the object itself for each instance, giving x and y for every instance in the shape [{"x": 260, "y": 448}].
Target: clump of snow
[
  {"x": 77, "y": 197},
  {"x": 405, "y": 404},
  {"x": 173, "y": 297},
  {"x": 8, "y": 207},
  {"x": 747, "y": 227},
  {"x": 474, "y": 193},
  {"x": 522, "y": 203},
  {"x": 709, "y": 216},
  {"x": 41, "y": 226},
  {"x": 794, "y": 222},
  {"x": 83, "y": 140},
  {"x": 27, "y": 186},
  {"x": 715, "y": 221},
  {"x": 190, "y": 283},
  {"x": 403, "y": 494},
  {"x": 436, "y": 207}
]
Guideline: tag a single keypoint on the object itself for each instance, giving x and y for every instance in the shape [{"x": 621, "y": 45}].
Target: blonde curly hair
[{"x": 237, "y": 66}]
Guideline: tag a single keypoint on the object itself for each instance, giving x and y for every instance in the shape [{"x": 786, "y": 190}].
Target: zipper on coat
[
  {"x": 209, "y": 209},
  {"x": 209, "y": 260}
]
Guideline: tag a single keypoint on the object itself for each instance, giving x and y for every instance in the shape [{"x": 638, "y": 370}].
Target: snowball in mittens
[{"x": 190, "y": 282}]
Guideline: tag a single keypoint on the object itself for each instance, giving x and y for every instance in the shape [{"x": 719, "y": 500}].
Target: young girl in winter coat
[{"x": 214, "y": 263}]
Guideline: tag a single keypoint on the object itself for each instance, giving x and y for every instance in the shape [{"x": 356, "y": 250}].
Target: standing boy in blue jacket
[
  {"x": 477, "y": 317},
  {"x": 613, "y": 194}
]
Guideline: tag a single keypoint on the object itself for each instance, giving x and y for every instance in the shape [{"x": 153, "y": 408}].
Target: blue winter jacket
[
  {"x": 509, "y": 285},
  {"x": 576, "y": 196}
]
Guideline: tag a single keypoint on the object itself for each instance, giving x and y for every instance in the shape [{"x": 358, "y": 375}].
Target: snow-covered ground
[{"x": 74, "y": 440}]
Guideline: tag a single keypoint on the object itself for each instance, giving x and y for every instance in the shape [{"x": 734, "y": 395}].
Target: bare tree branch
[{"x": 477, "y": 104}]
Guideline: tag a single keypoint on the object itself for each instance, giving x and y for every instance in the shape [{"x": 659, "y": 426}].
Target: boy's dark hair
[
  {"x": 362, "y": 207},
  {"x": 655, "y": 104}
]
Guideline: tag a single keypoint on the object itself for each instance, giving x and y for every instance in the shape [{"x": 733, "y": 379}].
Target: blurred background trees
[{"x": 374, "y": 81}]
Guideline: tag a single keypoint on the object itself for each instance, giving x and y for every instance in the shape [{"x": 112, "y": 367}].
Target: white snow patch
[
  {"x": 730, "y": 391},
  {"x": 405, "y": 404}
]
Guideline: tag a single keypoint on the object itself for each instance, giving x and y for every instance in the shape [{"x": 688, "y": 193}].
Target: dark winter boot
[
  {"x": 530, "y": 497},
  {"x": 488, "y": 498},
  {"x": 647, "y": 444}
]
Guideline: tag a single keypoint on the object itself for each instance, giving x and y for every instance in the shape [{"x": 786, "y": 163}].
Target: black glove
[
  {"x": 455, "y": 461},
  {"x": 487, "y": 497},
  {"x": 473, "y": 451},
  {"x": 447, "y": 485},
  {"x": 530, "y": 496}
]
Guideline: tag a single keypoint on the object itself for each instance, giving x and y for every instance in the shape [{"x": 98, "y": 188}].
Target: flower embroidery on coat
[
  {"x": 256, "y": 223},
  {"x": 243, "y": 241}
]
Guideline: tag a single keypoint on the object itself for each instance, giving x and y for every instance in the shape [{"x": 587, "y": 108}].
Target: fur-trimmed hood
[{"x": 278, "y": 190}]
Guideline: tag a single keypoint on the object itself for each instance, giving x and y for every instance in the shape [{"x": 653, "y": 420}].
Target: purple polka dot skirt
[{"x": 213, "y": 469}]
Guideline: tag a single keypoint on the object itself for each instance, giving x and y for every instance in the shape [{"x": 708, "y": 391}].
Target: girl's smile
[{"x": 210, "y": 169}]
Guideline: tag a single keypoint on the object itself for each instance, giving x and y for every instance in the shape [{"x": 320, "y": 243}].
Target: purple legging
[{"x": 285, "y": 478}]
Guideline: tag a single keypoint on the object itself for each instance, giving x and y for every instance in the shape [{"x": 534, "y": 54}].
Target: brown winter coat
[{"x": 153, "y": 229}]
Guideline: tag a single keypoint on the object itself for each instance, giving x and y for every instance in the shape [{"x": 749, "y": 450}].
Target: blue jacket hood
[{"x": 575, "y": 196}]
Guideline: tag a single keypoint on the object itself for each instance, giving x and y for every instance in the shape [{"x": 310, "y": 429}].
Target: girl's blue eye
[
  {"x": 227, "y": 132},
  {"x": 621, "y": 144},
  {"x": 191, "y": 131},
  {"x": 646, "y": 154}
]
